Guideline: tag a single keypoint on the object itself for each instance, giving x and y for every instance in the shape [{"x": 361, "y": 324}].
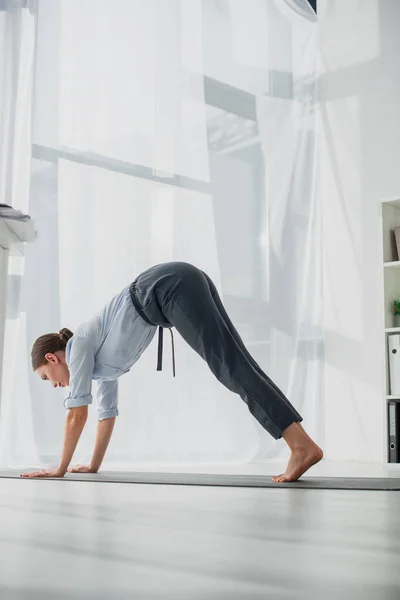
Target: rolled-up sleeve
[
  {"x": 107, "y": 400},
  {"x": 81, "y": 365}
]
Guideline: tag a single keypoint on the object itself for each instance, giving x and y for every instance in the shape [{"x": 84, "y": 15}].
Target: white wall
[{"x": 359, "y": 164}]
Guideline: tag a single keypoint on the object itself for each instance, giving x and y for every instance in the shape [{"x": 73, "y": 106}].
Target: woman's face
[{"x": 55, "y": 370}]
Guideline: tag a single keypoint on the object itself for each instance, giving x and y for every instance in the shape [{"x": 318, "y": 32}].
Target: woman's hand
[
  {"x": 44, "y": 473},
  {"x": 82, "y": 469}
]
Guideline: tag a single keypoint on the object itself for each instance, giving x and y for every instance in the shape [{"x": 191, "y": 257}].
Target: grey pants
[{"x": 179, "y": 295}]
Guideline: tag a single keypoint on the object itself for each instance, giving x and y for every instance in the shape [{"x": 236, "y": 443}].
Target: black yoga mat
[{"x": 228, "y": 480}]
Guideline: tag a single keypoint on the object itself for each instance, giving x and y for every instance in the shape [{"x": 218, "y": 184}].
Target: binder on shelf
[
  {"x": 393, "y": 433},
  {"x": 394, "y": 363}
]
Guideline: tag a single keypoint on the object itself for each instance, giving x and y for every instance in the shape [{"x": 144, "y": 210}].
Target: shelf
[
  {"x": 14, "y": 233},
  {"x": 392, "y": 200},
  {"x": 392, "y": 330},
  {"x": 395, "y": 264},
  {"x": 393, "y": 398}
]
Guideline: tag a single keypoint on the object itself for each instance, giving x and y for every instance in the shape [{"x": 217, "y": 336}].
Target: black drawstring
[
  {"x": 173, "y": 352},
  {"x": 160, "y": 349}
]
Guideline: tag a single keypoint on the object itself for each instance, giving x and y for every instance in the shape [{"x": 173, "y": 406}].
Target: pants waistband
[{"x": 141, "y": 312}]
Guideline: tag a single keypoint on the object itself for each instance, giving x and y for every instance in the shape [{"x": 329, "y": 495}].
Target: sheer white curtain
[
  {"x": 17, "y": 50},
  {"x": 17, "y": 42},
  {"x": 155, "y": 142},
  {"x": 287, "y": 125}
]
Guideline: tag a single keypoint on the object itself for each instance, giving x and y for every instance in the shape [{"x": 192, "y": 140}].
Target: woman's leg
[
  {"x": 188, "y": 304},
  {"x": 235, "y": 334},
  {"x": 238, "y": 339}
]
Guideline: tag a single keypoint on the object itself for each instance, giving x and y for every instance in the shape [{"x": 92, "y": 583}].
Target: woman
[{"x": 169, "y": 295}]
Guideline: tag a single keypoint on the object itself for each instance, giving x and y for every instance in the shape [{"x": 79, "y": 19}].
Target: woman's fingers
[{"x": 44, "y": 473}]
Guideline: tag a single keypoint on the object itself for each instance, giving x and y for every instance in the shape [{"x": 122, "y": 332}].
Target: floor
[{"x": 84, "y": 541}]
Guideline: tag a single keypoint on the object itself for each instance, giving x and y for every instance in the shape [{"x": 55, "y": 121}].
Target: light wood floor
[{"x": 70, "y": 541}]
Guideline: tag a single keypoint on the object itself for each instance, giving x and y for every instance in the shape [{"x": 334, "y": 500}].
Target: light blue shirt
[{"x": 103, "y": 349}]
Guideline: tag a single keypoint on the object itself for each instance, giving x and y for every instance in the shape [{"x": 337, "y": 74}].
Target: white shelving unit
[
  {"x": 394, "y": 264},
  {"x": 391, "y": 274},
  {"x": 13, "y": 236}
]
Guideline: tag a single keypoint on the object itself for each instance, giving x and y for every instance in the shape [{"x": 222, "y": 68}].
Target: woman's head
[{"x": 48, "y": 357}]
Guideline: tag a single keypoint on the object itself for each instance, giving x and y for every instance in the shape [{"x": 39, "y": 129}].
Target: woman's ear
[{"x": 52, "y": 358}]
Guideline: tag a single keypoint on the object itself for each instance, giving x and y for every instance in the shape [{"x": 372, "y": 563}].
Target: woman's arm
[
  {"x": 107, "y": 410},
  {"x": 104, "y": 432},
  {"x": 74, "y": 424}
]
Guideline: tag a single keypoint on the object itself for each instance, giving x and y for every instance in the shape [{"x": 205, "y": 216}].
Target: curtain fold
[
  {"x": 17, "y": 45},
  {"x": 287, "y": 127},
  {"x": 17, "y": 53}
]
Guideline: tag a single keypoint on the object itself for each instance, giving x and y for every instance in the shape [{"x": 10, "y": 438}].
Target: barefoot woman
[{"x": 169, "y": 295}]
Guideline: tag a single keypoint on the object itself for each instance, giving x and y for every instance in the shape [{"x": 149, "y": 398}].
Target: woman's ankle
[{"x": 296, "y": 438}]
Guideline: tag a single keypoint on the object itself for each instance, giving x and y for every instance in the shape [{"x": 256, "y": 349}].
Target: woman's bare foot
[
  {"x": 300, "y": 461},
  {"x": 305, "y": 454}
]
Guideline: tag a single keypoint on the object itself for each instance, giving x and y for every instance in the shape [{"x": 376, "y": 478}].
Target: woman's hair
[{"x": 49, "y": 343}]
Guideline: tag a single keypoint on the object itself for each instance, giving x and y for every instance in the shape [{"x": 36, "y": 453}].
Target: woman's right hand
[{"x": 82, "y": 469}]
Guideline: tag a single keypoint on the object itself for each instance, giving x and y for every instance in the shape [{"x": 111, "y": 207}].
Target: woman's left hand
[{"x": 44, "y": 473}]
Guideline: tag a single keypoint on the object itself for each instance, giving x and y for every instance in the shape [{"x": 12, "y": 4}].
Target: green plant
[{"x": 396, "y": 307}]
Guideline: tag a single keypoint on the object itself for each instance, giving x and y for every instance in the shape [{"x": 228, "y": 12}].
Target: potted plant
[{"x": 396, "y": 312}]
